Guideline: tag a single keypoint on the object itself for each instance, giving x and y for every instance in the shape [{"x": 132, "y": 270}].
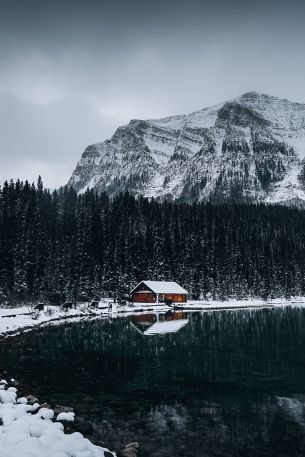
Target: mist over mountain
[{"x": 250, "y": 149}]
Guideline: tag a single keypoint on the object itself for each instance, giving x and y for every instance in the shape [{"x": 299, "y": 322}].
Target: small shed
[{"x": 159, "y": 292}]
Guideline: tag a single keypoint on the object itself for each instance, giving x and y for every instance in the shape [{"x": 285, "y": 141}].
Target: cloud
[
  {"x": 73, "y": 71},
  {"x": 47, "y": 139}
]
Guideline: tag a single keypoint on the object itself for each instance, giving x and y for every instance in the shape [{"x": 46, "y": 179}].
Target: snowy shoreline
[
  {"x": 15, "y": 320},
  {"x": 23, "y": 318},
  {"x": 28, "y": 429}
]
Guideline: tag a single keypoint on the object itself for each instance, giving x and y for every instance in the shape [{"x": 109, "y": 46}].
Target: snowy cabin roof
[{"x": 163, "y": 287}]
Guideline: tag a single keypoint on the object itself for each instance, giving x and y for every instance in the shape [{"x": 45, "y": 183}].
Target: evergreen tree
[{"x": 64, "y": 246}]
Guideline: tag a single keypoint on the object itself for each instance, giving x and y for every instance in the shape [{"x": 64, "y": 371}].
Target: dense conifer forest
[{"x": 62, "y": 246}]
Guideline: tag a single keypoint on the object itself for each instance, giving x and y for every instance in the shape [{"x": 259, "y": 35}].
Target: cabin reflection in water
[{"x": 159, "y": 324}]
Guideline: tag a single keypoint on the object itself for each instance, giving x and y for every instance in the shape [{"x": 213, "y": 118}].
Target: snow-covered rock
[
  {"x": 7, "y": 396},
  {"x": 66, "y": 417},
  {"x": 27, "y": 433},
  {"x": 46, "y": 413},
  {"x": 250, "y": 148}
]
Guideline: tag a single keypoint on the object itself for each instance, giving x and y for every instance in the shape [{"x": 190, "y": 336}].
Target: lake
[{"x": 224, "y": 383}]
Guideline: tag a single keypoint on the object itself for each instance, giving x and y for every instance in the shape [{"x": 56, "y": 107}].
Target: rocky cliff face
[{"x": 251, "y": 148}]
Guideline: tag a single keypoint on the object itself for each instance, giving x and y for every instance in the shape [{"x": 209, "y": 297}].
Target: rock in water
[
  {"x": 31, "y": 399},
  {"x": 130, "y": 450},
  {"x": 63, "y": 409}
]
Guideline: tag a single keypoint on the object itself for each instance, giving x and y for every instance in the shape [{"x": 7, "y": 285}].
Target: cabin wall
[
  {"x": 143, "y": 297},
  {"x": 175, "y": 298}
]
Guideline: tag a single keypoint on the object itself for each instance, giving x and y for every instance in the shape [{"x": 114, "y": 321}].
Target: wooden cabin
[{"x": 159, "y": 292}]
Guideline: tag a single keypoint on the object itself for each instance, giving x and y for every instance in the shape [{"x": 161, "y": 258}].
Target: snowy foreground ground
[
  {"x": 14, "y": 320},
  {"x": 29, "y": 430}
]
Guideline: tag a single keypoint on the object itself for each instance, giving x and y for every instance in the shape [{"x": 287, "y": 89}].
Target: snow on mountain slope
[{"x": 251, "y": 148}]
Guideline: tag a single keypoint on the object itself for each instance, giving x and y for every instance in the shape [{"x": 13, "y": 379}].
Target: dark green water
[{"x": 229, "y": 383}]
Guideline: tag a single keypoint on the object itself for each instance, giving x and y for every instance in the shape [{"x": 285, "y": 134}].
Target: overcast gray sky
[{"x": 72, "y": 71}]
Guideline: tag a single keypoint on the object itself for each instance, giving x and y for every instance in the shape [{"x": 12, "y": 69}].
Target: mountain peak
[
  {"x": 255, "y": 94},
  {"x": 250, "y": 148},
  {"x": 261, "y": 96}
]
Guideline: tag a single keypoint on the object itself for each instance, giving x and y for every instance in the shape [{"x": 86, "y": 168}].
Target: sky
[{"x": 72, "y": 71}]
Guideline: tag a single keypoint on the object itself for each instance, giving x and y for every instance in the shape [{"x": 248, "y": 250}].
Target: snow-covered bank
[
  {"x": 23, "y": 318},
  {"x": 14, "y": 320},
  {"x": 28, "y": 430},
  {"x": 210, "y": 305},
  {"x": 245, "y": 304}
]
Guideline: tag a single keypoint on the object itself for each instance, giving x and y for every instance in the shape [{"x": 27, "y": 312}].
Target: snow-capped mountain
[{"x": 251, "y": 148}]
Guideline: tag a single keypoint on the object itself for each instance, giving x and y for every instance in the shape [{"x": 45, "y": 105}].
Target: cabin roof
[{"x": 163, "y": 287}]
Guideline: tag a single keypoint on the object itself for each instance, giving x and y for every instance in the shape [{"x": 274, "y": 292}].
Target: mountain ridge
[{"x": 249, "y": 148}]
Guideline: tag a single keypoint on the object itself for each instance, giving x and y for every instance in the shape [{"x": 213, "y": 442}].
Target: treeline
[{"x": 63, "y": 246}]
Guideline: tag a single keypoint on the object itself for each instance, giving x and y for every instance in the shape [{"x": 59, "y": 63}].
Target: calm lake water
[{"x": 229, "y": 383}]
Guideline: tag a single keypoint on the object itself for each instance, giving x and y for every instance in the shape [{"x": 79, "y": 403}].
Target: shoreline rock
[
  {"x": 130, "y": 450},
  {"x": 28, "y": 428}
]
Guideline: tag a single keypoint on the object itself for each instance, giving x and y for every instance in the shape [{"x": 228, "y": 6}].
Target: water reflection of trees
[{"x": 251, "y": 349}]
